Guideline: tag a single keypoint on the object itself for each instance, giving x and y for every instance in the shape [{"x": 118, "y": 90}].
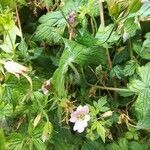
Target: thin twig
[
  {"x": 110, "y": 88},
  {"x": 19, "y": 23},
  {"x": 101, "y": 14}
]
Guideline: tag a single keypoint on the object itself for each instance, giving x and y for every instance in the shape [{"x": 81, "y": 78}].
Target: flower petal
[
  {"x": 79, "y": 108},
  {"x": 86, "y": 109},
  {"x": 73, "y": 119},
  {"x": 87, "y": 118},
  {"x": 80, "y": 126}
]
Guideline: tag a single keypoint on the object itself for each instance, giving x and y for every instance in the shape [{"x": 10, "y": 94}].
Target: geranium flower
[
  {"x": 15, "y": 68},
  {"x": 80, "y": 117},
  {"x": 145, "y": 1}
]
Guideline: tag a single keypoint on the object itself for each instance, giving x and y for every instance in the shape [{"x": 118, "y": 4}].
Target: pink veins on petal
[{"x": 80, "y": 117}]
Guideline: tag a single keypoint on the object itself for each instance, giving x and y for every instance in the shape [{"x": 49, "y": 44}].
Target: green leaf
[
  {"x": 16, "y": 142},
  {"x": 79, "y": 54},
  {"x": 47, "y": 131},
  {"x": 122, "y": 144},
  {"x": 87, "y": 39},
  {"x": 142, "y": 88},
  {"x": 92, "y": 145},
  {"x": 38, "y": 144},
  {"x": 130, "y": 68},
  {"x": 117, "y": 71},
  {"x": 2, "y": 140},
  {"x": 135, "y": 145},
  {"x": 88, "y": 6},
  {"x": 121, "y": 56},
  {"x": 134, "y": 6},
  {"x": 101, "y": 131},
  {"x": 130, "y": 27},
  {"x": 144, "y": 11},
  {"x": 23, "y": 48},
  {"x": 51, "y": 28},
  {"x": 144, "y": 123},
  {"x": 48, "y": 2},
  {"x": 143, "y": 50},
  {"x": 64, "y": 139},
  {"x": 6, "y": 3},
  {"x": 107, "y": 35}
]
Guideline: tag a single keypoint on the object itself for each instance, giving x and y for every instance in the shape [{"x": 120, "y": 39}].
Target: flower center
[{"x": 81, "y": 117}]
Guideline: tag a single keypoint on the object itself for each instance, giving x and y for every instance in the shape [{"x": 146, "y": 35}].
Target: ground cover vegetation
[{"x": 74, "y": 74}]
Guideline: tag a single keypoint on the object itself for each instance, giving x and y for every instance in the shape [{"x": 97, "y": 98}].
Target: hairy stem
[
  {"x": 102, "y": 20},
  {"x": 75, "y": 71},
  {"x": 130, "y": 49},
  {"x": 19, "y": 23},
  {"x": 110, "y": 88},
  {"x": 101, "y": 14}
]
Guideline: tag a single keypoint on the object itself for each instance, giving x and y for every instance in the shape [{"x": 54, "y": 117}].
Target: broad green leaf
[
  {"x": 92, "y": 145},
  {"x": 79, "y": 54},
  {"x": 141, "y": 87},
  {"x": 87, "y": 39},
  {"x": 51, "y": 28},
  {"x": 9, "y": 31},
  {"x": 134, "y": 6},
  {"x": 87, "y": 8},
  {"x": 38, "y": 144},
  {"x": 6, "y": 3},
  {"x": 113, "y": 8},
  {"x": 101, "y": 131},
  {"x": 64, "y": 139},
  {"x": 53, "y": 24},
  {"x": 117, "y": 71},
  {"x": 2, "y": 140},
  {"x": 130, "y": 27},
  {"x": 107, "y": 35},
  {"x": 48, "y": 2},
  {"x": 15, "y": 142},
  {"x": 144, "y": 123},
  {"x": 130, "y": 68},
  {"x": 144, "y": 49},
  {"x": 122, "y": 144},
  {"x": 144, "y": 11},
  {"x": 23, "y": 48},
  {"x": 49, "y": 34},
  {"x": 139, "y": 146},
  {"x": 47, "y": 131},
  {"x": 121, "y": 56}
]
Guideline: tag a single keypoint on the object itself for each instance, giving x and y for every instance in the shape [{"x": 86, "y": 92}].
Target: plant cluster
[{"x": 74, "y": 74}]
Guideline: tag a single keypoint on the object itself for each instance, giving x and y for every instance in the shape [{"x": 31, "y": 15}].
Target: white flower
[
  {"x": 15, "y": 68},
  {"x": 80, "y": 117},
  {"x": 145, "y": 1}
]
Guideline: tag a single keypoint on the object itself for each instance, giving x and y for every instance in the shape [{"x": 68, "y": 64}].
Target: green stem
[
  {"x": 92, "y": 25},
  {"x": 42, "y": 110},
  {"x": 110, "y": 88},
  {"x": 130, "y": 49},
  {"x": 95, "y": 24},
  {"x": 101, "y": 14},
  {"x": 75, "y": 71},
  {"x": 19, "y": 23}
]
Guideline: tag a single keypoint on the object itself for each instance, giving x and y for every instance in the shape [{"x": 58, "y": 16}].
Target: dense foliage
[{"x": 74, "y": 74}]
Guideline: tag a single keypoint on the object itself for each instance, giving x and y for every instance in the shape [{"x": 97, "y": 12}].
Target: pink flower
[
  {"x": 80, "y": 117},
  {"x": 15, "y": 68},
  {"x": 145, "y": 1}
]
